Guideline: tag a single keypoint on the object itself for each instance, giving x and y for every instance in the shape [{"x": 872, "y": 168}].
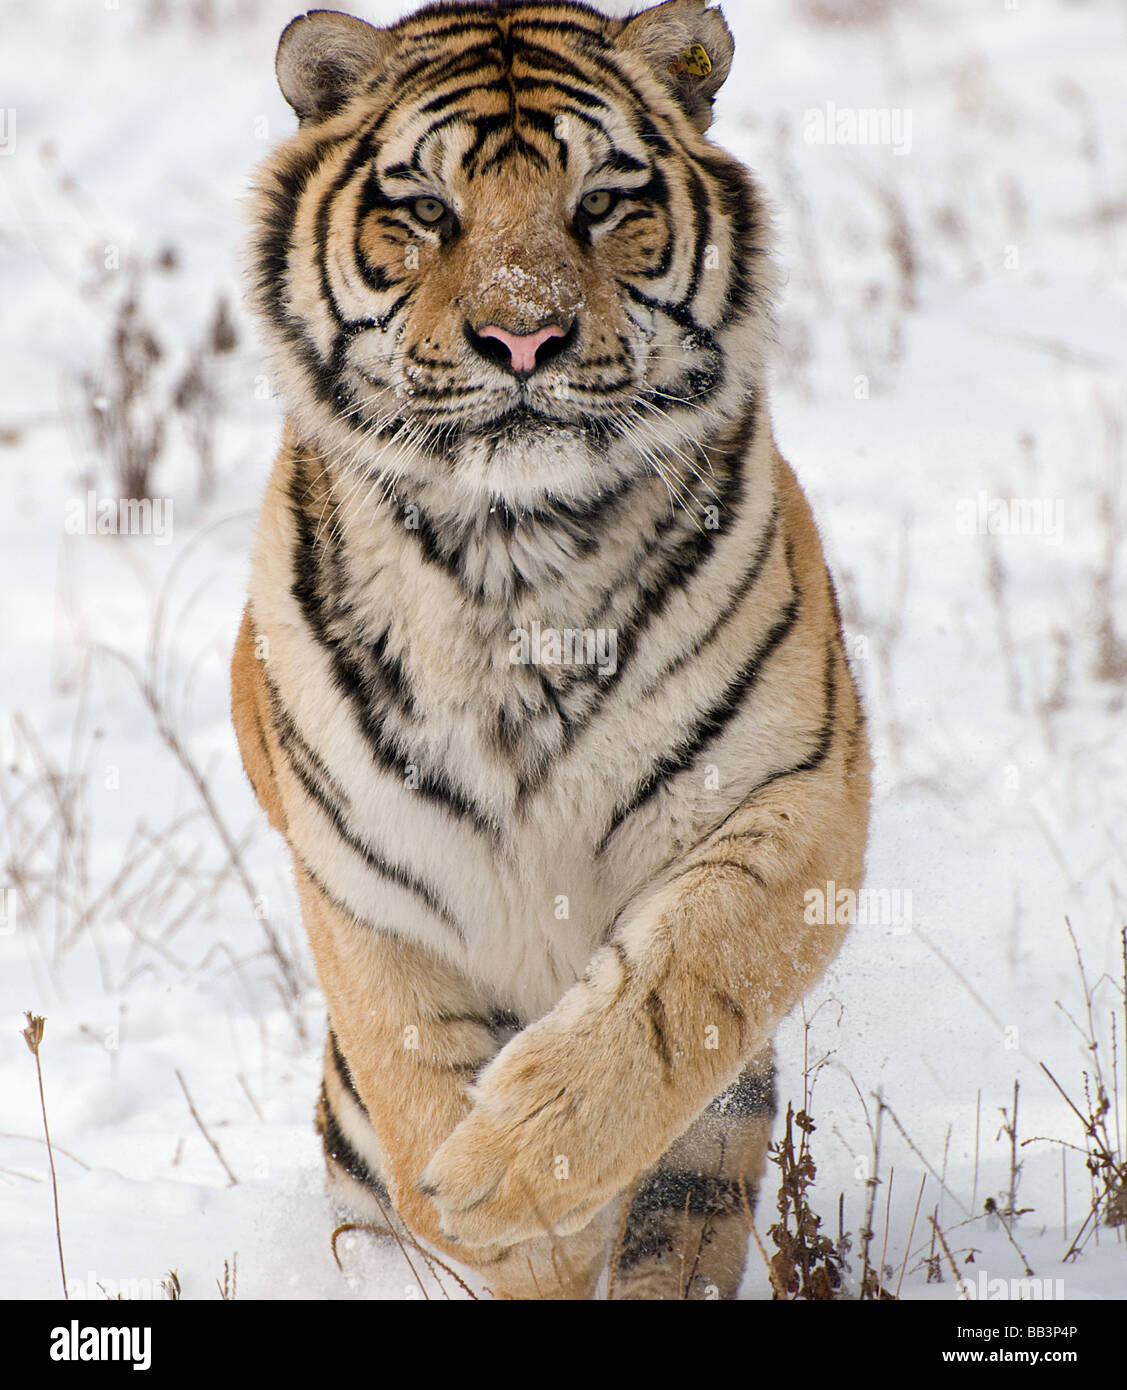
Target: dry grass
[
  {"x": 127, "y": 430},
  {"x": 901, "y": 243},
  {"x": 395, "y": 1228},
  {"x": 33, "y": 1036},
  {"x": 1111, "y": 645},
  {"x": 148, "y": 681},
  {"x": 938, "y": 1233},
  {"x": 152, "y": 387},
  {"x": 231, "y": 1179},
  {"x": 807, "y": 1264},
  {"x": 1099, "y": 1116},
  {"x": 170, "y": 875}
]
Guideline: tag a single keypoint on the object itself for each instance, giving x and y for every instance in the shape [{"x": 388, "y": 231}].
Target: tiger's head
[{"x": 500, "y": 254}]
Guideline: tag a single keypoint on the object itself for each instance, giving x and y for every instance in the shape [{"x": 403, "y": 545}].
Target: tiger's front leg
[
  {"x": 575, "y": 1107},
  {"x": 407, "y": 1036}
]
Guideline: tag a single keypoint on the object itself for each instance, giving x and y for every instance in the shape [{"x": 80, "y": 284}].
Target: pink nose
[{"x": 523, "y": 347}]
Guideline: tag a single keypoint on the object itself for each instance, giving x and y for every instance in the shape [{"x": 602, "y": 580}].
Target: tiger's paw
[{"x": 522, "y": 1163}]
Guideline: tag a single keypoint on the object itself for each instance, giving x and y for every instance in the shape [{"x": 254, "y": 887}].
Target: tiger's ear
[
  {"x": 321, "y": 58},
  {"x": 690, "y": 48}
]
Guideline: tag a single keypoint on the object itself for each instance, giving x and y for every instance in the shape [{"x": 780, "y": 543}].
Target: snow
[{"x": 953, "y": 325}]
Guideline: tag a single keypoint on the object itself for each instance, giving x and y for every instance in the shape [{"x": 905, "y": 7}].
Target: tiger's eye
[
  {"x": 429, "y": 210},
  {"x": 598, "y": 204}
]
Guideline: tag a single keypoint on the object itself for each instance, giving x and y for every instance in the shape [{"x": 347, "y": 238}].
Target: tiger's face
[{"x": 500, "y": 255}]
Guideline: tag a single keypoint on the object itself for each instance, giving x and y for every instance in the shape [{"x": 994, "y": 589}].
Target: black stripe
[
  {"x": 431, "y": 131},
  {"x": 374, "y": 199},
  {"x": 591, "y": 122},
  {"x": 484, "y": 127},
  {"x": 394, "y": 676},
  {"x": 434, "y": 67},
  {"x": 272, "y": 265},
  {"x": 445, "y": 393},
  {"x": 343, "y": 1073},
  {"x": 703, "y": 212},
  {"x": 272, "y": 259},
  {"x": 514, "y": 145},
  {"x": 712, "y": 723},
  {"x": 338, "y": 1148},
  {"x": 536, "y": 56},
  {"x": 579, "y": 94},
  {"x": 648, "y": 132},
  {"x": 298, "y": 749},
  {"x": 352, "y": 328},
  {"x": 566, "y": 26},
  {"x": 660, "y": 1197},
  {"x": 622, "y": 163},
  {"x": 472, "y": 23},
  {"x": 679, "y": 558},
  {"x": 357, "y": 157},
  {"x": 747, "y": 582},
  {"x": 700, "y": 1194},
  {"x": 655, "y": 1013},
  {"x": 441, "y": 102},
  {"x": 679, "y": 313},
  {"x": 821, "y": 749},
  {"x": 433, "y": 785},
  {"x": 503, "y": 1021},
  {"x": 394, "y": 873},
  {"x": 741, "y": 207},
  {"x": 546, "y": 123},
  {"x": 683, "y": 560},
  {"x": 581, "y": 525},
  {"x": 637, "y": 215},
  {"x": 599, "y": 388},
  {"x": 322, "y": 888}
]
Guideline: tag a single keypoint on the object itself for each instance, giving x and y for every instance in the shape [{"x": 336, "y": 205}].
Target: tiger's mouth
[
  {"x": 526, "y": 421},
  {"x": 521, "y": 418},
  {"x": 524, "y": 417}
]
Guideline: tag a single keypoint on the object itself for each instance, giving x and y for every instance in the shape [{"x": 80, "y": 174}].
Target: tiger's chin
[{"x": 524, "y": 456}]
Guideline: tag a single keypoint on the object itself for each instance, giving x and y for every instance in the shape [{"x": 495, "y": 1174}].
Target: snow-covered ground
[{"x": 950, "y": 387}]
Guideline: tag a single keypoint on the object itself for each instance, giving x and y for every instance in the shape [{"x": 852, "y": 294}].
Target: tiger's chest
[
  {"x": 455, "y": 787},
  {"x": 466, "y": 825},
  {"x": 467, "y": 729}
]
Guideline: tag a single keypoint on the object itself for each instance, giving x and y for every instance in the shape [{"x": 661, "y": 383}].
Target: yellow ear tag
[{"x": 694, "y": 62}]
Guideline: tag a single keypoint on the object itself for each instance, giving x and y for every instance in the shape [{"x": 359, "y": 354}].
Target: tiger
[{"x": 541, "y": 673}]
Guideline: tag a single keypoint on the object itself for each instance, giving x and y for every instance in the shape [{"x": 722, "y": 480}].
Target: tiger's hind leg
[
  {"x": 686, "y": 1233},
  {"x": 352, "y": 1158}
]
